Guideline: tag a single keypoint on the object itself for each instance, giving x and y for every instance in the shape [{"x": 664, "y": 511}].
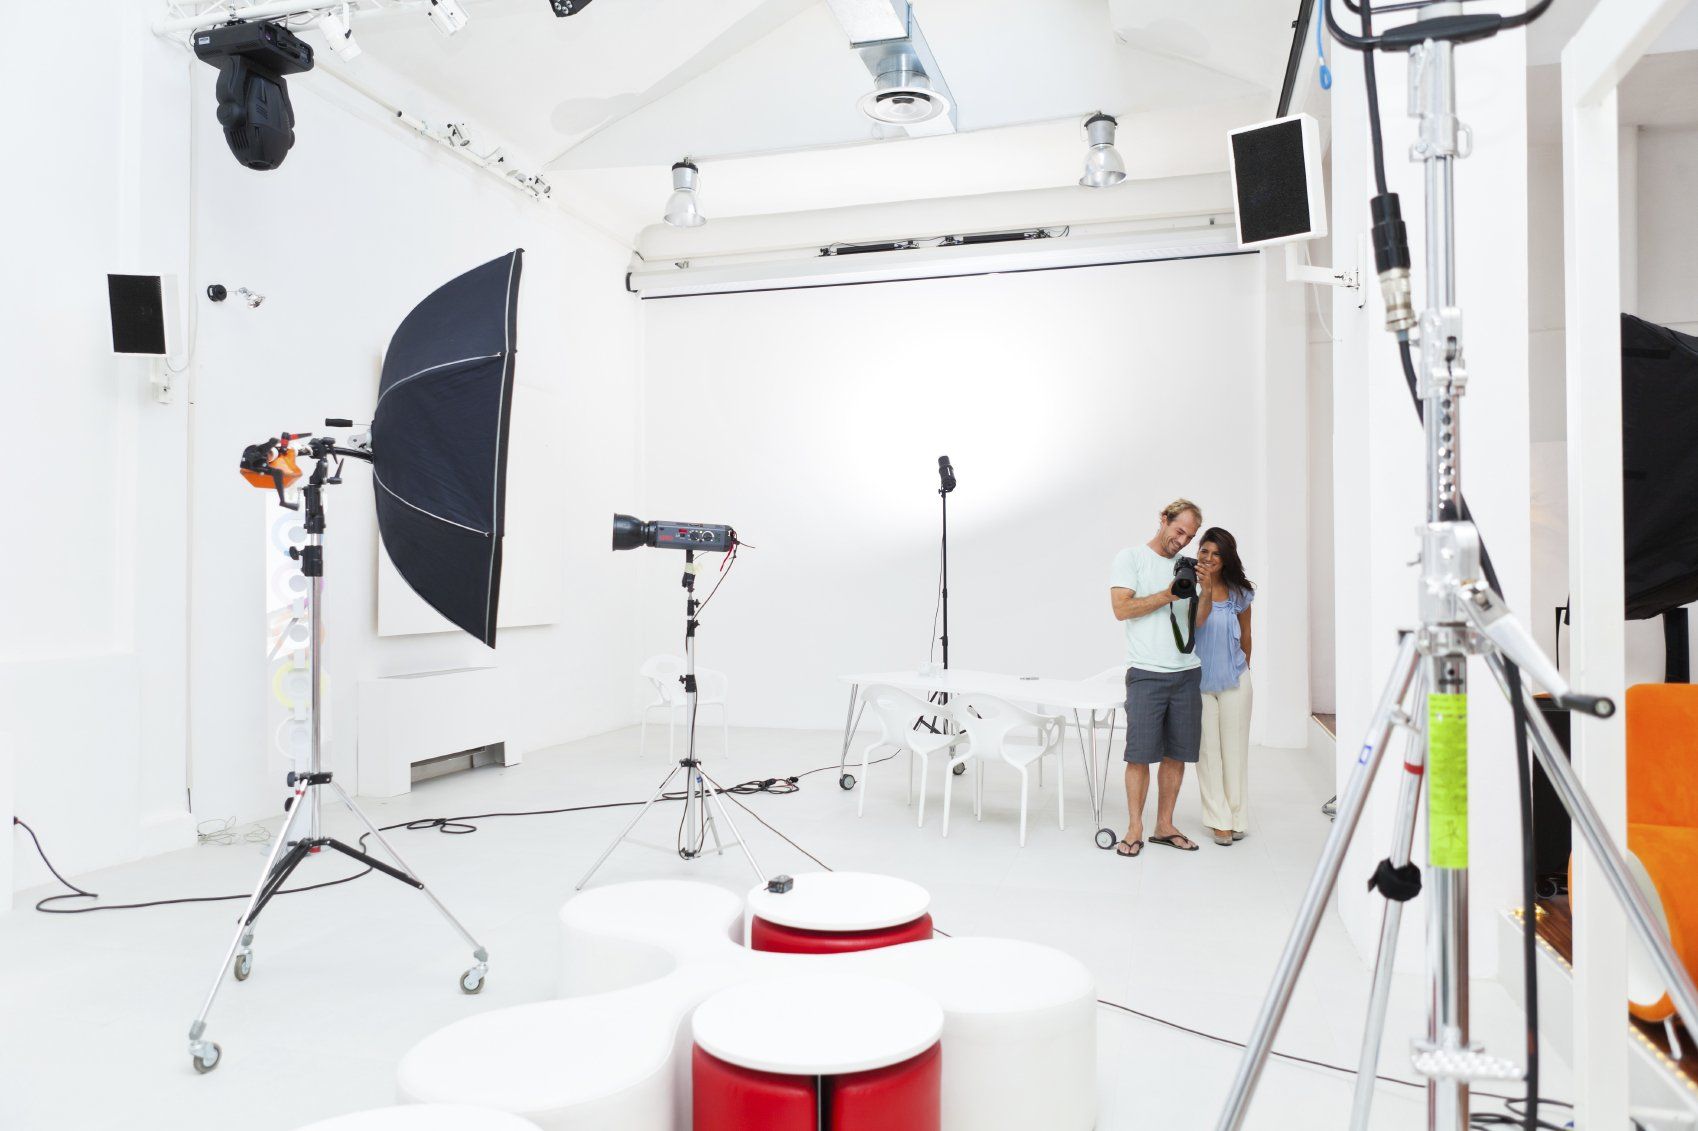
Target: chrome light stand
[
  {"x": 1426, "y": 695},
  {"x": 303, "y": 808},
  {"x": 700, "y": 790}
]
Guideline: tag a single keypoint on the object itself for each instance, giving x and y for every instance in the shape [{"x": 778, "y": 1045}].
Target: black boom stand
[{"x": 286, "y": 855}]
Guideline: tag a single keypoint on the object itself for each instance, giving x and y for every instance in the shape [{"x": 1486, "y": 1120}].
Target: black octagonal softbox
[{"x": 439, "y": 443}]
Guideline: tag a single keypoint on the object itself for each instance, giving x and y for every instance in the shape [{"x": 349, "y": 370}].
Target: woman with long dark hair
[{"x": 1223, "y": 645}]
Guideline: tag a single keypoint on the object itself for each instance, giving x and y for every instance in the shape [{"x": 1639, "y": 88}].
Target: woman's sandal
[
  {"x": 1137, "y": 846},
  {"x": 1172, "y": 842}
]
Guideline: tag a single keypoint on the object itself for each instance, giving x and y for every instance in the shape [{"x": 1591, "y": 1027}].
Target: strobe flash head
[{"x": 700, "y": 537}]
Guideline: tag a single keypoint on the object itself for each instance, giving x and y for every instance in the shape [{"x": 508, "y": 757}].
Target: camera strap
[{"x": 1184, "y": 645}]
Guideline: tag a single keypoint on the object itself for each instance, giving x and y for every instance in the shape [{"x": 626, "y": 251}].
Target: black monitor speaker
[
  {"x": 1277, "y": 191},
  {"x": 138, "y": 306}
]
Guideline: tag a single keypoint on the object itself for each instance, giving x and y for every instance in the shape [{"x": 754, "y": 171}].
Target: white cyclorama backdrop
[{"x": 1074, "y": 404}]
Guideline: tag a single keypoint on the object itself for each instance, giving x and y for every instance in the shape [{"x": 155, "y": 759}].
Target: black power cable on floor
[{"x": 461, "y": 826}]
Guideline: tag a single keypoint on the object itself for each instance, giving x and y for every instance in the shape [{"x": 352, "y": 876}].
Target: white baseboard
[{"x": 165, "y": 830}]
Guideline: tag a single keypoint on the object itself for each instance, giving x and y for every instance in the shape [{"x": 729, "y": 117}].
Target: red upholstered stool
[
  {"x": 792, "y": 940},
  {"x": 869, "y": 1045},
  {"x": 725, "y": 1095},
  {"x": 901, "y": 1097},
  {"x": 834, "y": 912}
]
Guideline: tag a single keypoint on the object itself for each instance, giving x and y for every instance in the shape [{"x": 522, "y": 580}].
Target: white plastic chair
[
  {"x": 665, "y": 675},
  {"x": 897, "y": 711},
  {"x": 997, "y": 729}
]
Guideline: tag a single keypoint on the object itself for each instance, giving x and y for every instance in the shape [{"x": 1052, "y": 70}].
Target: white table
[
  {"x": 818, "y": 1026},
  {"x": 1093, "y": 696},
  {"x": 840, "y": 902}
]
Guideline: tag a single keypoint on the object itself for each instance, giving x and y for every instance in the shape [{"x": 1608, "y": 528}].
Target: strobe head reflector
[{"x": 700, "y": 537}]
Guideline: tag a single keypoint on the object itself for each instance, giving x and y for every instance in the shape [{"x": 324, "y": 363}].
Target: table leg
[
  {"x": 850, "y": 724},
  {"x": 1089, "y": 756}
]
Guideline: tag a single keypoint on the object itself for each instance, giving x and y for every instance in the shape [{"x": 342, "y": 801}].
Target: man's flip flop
[
  {"x": 1137, "y": 846},
  {"x": 1173, "y": 842}
]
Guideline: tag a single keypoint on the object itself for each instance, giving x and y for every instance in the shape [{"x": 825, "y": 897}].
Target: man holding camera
[{"x": 1164, "y": 698}]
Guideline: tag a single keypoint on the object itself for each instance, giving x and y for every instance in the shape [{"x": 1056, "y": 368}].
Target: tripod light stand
[
  {"x": 304, "y": 808},
  {"x": 438, "y": 450},
  {"x": 701, "y": 792},
  {"x": 1426, "y": 695}
]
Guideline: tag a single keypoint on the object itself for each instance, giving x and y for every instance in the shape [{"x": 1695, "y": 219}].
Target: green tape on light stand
[{"x": 1447, "y": 781}]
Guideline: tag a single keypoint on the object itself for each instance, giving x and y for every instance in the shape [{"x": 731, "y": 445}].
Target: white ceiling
[
  {"x": 762, "y": 94},
  {"x": 1660, "y": 92}
]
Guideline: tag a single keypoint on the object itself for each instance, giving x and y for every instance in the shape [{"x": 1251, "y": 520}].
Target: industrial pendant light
[
  {"x": 1103, "y": 164},
  {"x": 682, "y": 209}
]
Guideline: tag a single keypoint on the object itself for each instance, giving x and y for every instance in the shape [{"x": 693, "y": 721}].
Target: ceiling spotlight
[
  {"x": 447, "y": 15},
  {"x": 682, "y": 210},
  {"x": 1103, "y": 165},
  {"x": 902, "y": 95},
  {"x": 339, "y": 33}
]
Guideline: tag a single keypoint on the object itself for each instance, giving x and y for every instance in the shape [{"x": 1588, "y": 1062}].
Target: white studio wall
[
  {"x": 151, "y": 528},
  {"x": 1074, "y": 405},
  {"x": 92, "y": 646}
]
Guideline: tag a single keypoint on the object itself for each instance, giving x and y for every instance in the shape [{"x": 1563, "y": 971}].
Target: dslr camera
[{"x": 1184, "y": 578}]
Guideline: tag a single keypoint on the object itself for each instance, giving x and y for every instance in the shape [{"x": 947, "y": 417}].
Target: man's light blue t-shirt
[{"x": 1149, "y": 638}]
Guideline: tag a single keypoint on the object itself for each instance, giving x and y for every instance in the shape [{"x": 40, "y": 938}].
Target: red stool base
[
  {"x": 726, "y": 1097},
  {"x": 793, "y": 940},
  {"x": 902, "y": 1097}
]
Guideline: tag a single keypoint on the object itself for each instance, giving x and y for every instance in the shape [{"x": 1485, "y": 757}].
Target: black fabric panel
[
  {"x": 1659, "y": 442},
  {"x": 439, "y": 443}
]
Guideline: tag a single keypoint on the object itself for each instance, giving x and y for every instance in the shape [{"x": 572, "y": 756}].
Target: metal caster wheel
[
  {"x": 472, "y": 981},
  {"x": 960, "y": 768},
  {"x": 243, "y": 966},
  {"x": 847, "y": 781},
  {"x": 1107, "y": 838},
  {"x": 206, "y": 1062}
]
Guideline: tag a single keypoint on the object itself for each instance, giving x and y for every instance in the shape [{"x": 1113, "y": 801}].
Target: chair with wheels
[
  {"x": 897, "y": 711},
  {"x": 997, "y": 730},
  {"x": 665, "y": 675}
]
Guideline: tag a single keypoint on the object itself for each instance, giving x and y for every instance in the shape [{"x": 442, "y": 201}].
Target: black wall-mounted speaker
[
  {"x": 1277, "y": 192},
  {"x": 138, "y": 314}
]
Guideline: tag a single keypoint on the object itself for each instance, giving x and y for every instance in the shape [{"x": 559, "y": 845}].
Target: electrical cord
[{"x": 461, "y": 826}]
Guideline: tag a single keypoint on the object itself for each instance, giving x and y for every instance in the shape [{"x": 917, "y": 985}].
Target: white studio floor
[{"x": 346, "y": 979}]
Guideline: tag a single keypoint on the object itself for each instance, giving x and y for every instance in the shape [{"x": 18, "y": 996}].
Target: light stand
[
  {"x": 286, "y": 855},
  {"x": 946, "y": 484},
  {"x": 700, "y": 789},
  {"x": 1460, "y": 616}
]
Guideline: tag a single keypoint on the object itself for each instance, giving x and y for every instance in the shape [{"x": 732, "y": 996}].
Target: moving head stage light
[{"x": 253, "y": 99}]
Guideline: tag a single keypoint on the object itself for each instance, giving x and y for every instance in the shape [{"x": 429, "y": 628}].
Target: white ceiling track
[{"x": 1040, "y": 249}]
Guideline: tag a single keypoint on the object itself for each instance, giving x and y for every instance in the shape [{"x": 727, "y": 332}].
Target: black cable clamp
[{"x": 1399, "y": 884}]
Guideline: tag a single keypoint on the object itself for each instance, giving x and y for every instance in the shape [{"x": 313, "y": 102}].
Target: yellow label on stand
[{"x": 1447, "y": 781}]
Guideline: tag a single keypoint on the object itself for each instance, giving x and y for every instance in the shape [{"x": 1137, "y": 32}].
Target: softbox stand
[
  {"x": 701, "y": 792},
  {"x": 304, "y": 807}
]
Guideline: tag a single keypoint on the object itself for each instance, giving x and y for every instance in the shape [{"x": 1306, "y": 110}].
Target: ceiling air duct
[{"x": 909, "y": 97}]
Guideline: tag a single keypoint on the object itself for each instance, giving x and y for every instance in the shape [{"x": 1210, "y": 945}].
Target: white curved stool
[
  {"x": 778, "y": 1052},
  {"x": 424, "y": 1117}
]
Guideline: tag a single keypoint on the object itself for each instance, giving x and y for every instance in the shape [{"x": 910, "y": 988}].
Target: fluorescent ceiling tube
[{"x": 1103, "y": 164}]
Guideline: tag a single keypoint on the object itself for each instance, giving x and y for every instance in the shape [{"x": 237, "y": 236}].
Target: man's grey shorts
[{"x": 1164, "y": 715}]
